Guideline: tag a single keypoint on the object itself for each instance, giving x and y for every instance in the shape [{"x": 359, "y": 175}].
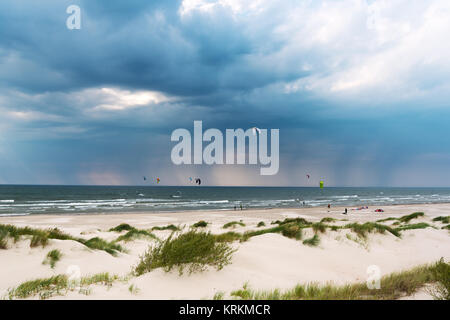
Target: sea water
[{"x": 34, "y": 199}]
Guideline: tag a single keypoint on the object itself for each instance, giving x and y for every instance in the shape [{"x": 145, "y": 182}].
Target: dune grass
[
  {"x": 300, "y": 221},
  {"x": 363, "y": 229},
  {"x": 387, "y": 219},
  {"x": 228, "y": 236},
  {"x": 313, "y": 242},
  {"x": 122, "y": 227},
  {"x": 40, "y": 237},
  {"x": 219, "y": 295},
  {"x": 52, "y": 257},
  {"x": 45, "y": 288},
  {"x": 57, "y": 285},
  {"x": 261, "y": 224},
  {"x": 233, "y": 224},
  {"x": 421, "y": 225},
  {"x": 193, "y": 250},
  {"x": 135, "y": 234},
  {"x": 132, "y": 233},
  {"x": 133, "y": 289},
  {"x": 292, "y": 228},
  {"x": 3, "y": 242},
  {"x": 444, "y": 220},
  {"x": 292, "y": 232},
  {"x": 170, "y": 227},
  {"x": 392, "y": 286},
  {"x": 319, "y": 227},
  {"x": 328, "y": 219},
  {"x": 441, "y": 273},
  {"x": 103, "y": 278},
  {"x": 403, "y": 219},
  {"x": 100, "y": 244},
  {"x": 200, "y": 224},
  {"x": 289, "y": 227},
  {"x": 248, "y": 234},
  {"x": 411, "y": 216}
]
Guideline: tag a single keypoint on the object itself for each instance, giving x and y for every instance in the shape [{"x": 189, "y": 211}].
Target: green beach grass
[
  {"x": 233, "y": 224},
  {"x": 193, "y": 251},
  {"x": 40, "y": 237},
  {"x": 170, "y": 227},
  {"x": 52, "y": 257},
  {"x": 392, "y": 286},
  {"x": 200, "y": 224},
  {"x": 58, "y": 285},
  {"x": 313, "y": 242},
  {"x": 444, "y": 220},
  {"x": 133, "y": 233},
  {"x": 404, "y": 219}
]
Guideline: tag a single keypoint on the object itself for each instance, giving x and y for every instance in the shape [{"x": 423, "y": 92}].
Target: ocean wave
[
  {"x": 345, "y": 196},
  {"x": 145, "y": 200},
  {"x": 6, "y": 201},
  {"x": 213, "y": 201},
  {"x": 13, "y": 214}
]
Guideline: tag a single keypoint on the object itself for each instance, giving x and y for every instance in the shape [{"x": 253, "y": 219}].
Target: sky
[{"x": 359, "y": 89}]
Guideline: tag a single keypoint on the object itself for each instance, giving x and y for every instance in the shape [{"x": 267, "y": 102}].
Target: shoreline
[
  {"x": 333, "y": 210},
  {"x": 266, "y": 261}
]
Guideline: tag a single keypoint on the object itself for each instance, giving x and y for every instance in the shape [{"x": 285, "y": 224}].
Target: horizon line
[{"x": 213, "y": 186}]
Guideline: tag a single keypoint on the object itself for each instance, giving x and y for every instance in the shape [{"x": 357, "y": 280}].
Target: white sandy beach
[{"x": 267, "y": 261}]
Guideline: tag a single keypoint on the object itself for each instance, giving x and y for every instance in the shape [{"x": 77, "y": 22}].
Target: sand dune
[{"x": 265, "y": 262}]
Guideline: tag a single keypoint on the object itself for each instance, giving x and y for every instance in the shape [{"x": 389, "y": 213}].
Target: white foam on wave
[
  {"x": 13, "y": 214},
  {"x": 212, "y": 201},
  {"x": 144, "y": 200},
  {"x": 6, "y": 201}
]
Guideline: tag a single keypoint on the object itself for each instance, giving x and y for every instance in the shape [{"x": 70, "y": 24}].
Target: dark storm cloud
[{"x": 358, "y": 90}]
